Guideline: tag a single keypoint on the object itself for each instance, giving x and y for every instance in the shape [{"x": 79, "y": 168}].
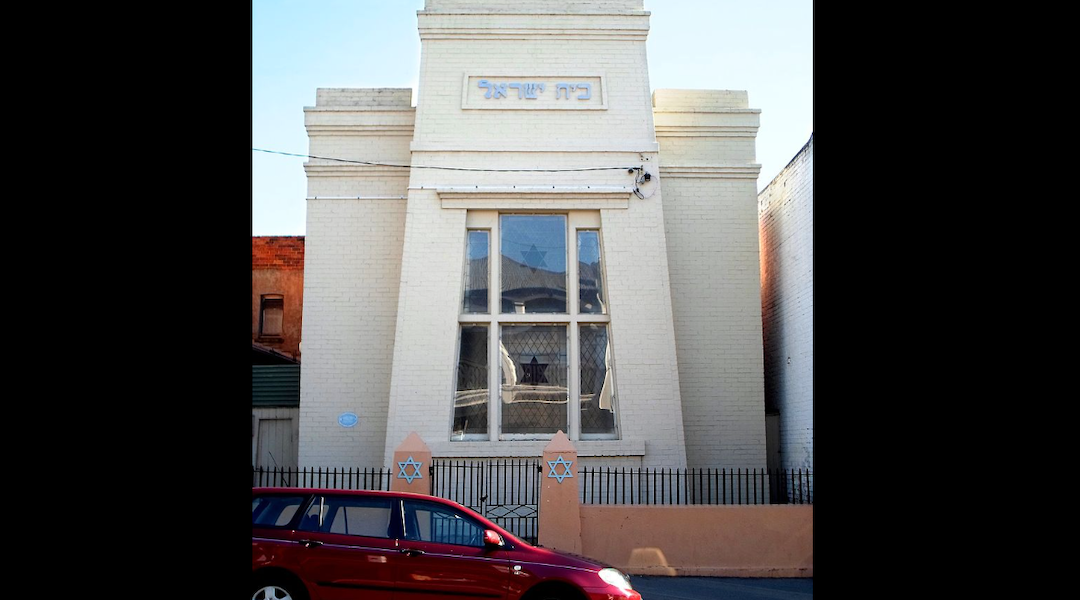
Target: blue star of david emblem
[
  {"x": 566, "y": 468},
  {"x": 416, "y": 470},
  {"x": 534, "y": 258}
]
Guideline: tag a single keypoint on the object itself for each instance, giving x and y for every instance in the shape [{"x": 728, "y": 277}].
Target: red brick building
[
  {"x": 277, "y": 300},
  {"x": 277, "y": 293}
]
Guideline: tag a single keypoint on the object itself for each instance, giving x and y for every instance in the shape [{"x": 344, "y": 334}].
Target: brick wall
[
  {"x": 517, "y": 47},
  {"x": 709, "y": 180},
  {"x": 277, "y": 267},
  {"x": 786, "y": 213},
  {"x": 384, "y": 272},
  {"x": 355, "y": 228},
  {"x": 282, "y": 252}
]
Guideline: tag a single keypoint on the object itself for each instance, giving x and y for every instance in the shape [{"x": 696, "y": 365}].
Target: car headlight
[{"x": 616, "y": 578}]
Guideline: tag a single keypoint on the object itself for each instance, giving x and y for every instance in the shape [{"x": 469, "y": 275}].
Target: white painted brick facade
[
  {"x": 709, "y": 179},
  {"x": 352, "y": 267},
  {"x": 383, "y": 282},
  {"x": 786, "y": 213}
]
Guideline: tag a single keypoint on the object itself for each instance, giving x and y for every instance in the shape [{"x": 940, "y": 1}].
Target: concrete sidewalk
[{"x": 726, "y": 588}]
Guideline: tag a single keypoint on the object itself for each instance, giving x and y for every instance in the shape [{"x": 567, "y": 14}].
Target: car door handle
[
  {"x": 411, "y": 552},
  {"x": 310, "y": 543}
]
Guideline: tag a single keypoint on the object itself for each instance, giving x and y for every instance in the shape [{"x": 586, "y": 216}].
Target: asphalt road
[{"x": 723, "y": 588}]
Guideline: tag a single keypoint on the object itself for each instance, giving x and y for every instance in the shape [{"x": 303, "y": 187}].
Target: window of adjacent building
[
  {"x": 519, "y": 367},
  {"x": 271, "y": 314}
]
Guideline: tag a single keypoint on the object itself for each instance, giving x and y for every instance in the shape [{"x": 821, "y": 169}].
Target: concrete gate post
[
  {"x": 560, "y": 510},
  {"x": 410, "y": 469}
]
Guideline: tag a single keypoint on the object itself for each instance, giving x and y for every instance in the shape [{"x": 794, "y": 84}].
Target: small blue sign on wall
[{"x": 348, "y": 419}]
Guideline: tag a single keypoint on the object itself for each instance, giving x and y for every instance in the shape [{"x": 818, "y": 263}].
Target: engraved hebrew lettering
[
  {"x": 562, "y": 87},
  {"x": 484, "y": 84},
  {"x": 516, "y": 86},
  {"x": 587, "y": 93},
  {"x": 499, "y": 89}
]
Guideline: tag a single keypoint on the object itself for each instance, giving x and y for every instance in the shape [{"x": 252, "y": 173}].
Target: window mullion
[
  {"x": 573, "y": 383},
  {"x": 494, "y": 376},
  {"x": 495, "y": 335},
  {"x": 572, "y": 291},
  {"x": 573, "y": 294}
]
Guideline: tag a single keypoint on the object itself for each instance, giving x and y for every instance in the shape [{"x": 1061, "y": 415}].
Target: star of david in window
[
  {"x": 554, "y": 470},
  {"x": 534, "y": 258},
  {"x": 416, "y": 470},
  {"x": 534, "y": 372}
]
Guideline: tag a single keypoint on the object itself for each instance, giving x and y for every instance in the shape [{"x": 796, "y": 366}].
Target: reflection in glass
[
  {"x": 590, "y": 273},
  {"x": 597, "y": 381},
  {"x": 533, "y": 267},
  {"x": 476, "y": 272},
  {"x": 471, "y": 398},
  {"x": 534, "y": 376}
]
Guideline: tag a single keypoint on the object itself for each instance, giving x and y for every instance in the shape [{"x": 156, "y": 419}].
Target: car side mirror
[{"x": 492, "y": 538}]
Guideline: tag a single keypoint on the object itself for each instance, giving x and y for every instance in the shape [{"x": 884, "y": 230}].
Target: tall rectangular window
[
  {"x": 597, "y": 382},
  {"x": 471, "y": 397},
  {"x": 534, "y": 353},
  {"x": 477, "y": 272},
  {"x": 534, "y": 376},
  {"x": 590, "y": 273},
  {"x": 533, "y": 266},
  {"x": 270, "y": 317}
]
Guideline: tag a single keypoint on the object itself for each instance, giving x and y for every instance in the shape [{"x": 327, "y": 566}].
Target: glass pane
[
  {"x": 597, "y": 381},
  {"x": 533, "y": 263},
  {"x": 534, "y": 375},
  {"x": 272, "y": 310},
  {"x": 476, "y": 273},
  {"x": 590, "y": 274},
  {"x": 471, "y": 397},
  {"x": 368, "y": 517},
  {"x": 429, "y": 522},
  {"x": 275, "y": 511}
]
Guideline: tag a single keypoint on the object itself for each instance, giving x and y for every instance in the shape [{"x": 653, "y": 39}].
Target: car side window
[
  {"x": 274, "y": 511},
  {"x": 348, "y": 515},
  {"x": 430, "y": 522}
]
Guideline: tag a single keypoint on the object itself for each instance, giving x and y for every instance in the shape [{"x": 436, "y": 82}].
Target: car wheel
[{"x": 277, "y": 590}]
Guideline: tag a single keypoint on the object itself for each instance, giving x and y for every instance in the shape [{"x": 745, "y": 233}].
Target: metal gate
[{"x": 505, "y": 491}]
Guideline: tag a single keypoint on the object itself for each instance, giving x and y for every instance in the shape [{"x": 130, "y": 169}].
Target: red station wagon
[{"x": 322, "y": 544}]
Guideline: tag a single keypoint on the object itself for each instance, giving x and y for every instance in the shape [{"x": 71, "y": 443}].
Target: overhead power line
[{"x": 380, "y": 164}]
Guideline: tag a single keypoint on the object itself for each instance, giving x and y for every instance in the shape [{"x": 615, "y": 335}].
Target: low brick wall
[{"x": 718, "y": 541}]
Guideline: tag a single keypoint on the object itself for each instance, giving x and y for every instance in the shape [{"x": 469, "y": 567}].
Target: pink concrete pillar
[
  {"x": 409, "y": 472},
  {"x": 560, "y": 510}
]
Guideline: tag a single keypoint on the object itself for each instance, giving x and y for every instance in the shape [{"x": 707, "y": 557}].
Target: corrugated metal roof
[{"x": 275, "y": 385}]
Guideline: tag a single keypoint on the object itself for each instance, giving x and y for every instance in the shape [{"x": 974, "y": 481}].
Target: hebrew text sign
[{"x": 525, "y": 92}]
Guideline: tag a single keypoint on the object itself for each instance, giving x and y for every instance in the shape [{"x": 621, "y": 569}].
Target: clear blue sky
[{"x": 765, "y": 48}]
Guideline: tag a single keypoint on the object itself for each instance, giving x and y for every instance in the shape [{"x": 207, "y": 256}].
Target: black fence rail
[
  {"x": 339, "y": 479},
  {"x": 505, "y": 491},
  {"x": 606, "y": 485}
]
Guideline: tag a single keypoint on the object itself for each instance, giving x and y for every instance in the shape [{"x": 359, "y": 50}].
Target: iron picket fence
[
  {"x": 607, "y": 485},
  {"x": 354, "y": 478},
  {"x": 507, "y": 491}
]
